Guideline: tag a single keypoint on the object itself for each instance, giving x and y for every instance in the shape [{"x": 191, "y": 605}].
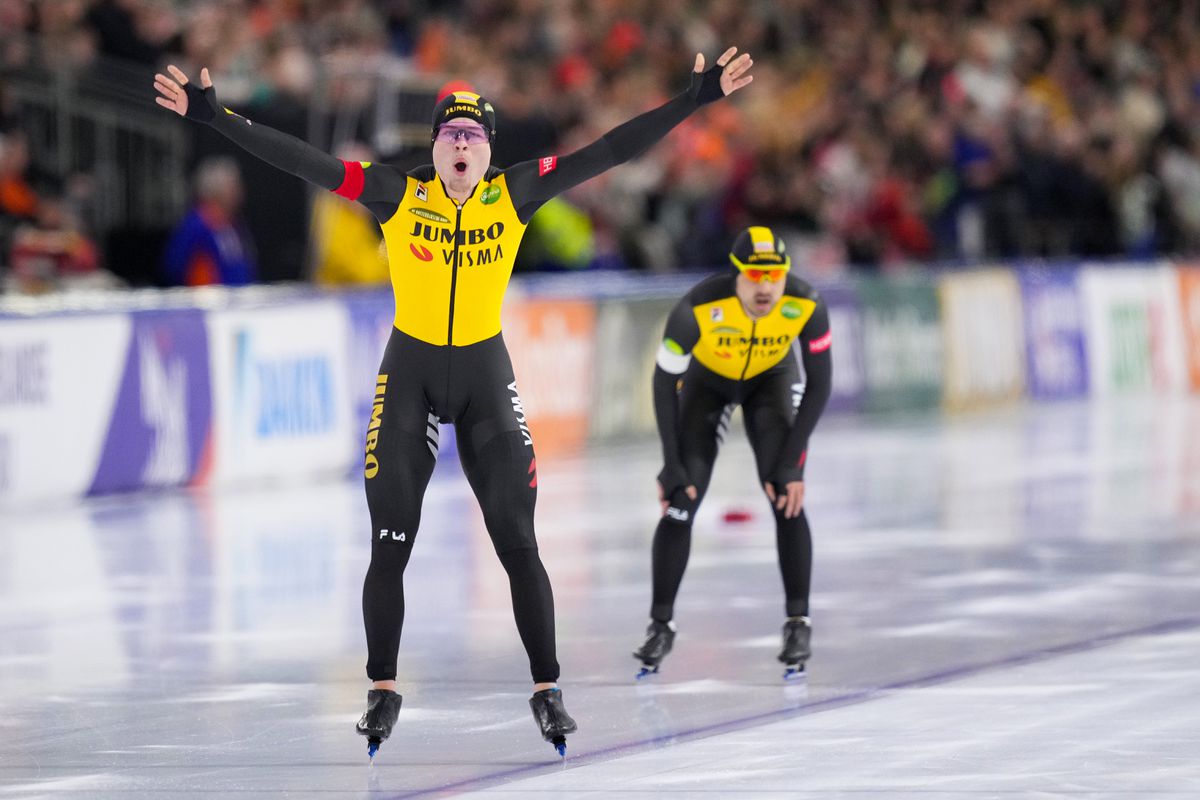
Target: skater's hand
[
  {"x": 182, "y": 97},
  {"x": 789, "y": 501},
  {"x": 729, "y": 75},
  {"x": 664, "y": 502},
  {"x": 672, "y": 478}
]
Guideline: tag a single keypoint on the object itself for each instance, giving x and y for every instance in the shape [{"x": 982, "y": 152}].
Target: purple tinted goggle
[{"x": 471, "y": 134}]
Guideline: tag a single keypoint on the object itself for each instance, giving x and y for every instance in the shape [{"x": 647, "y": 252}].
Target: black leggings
[
  {"x": 472, "y": 386},
  {"x": 768, "y": 408}
]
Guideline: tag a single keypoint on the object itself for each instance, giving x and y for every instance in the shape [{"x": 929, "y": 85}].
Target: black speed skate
[
  {"x": 553, "y": 720},
  {"x": 659, "y": 638},
  {"x": 797, "y": 632},
  {"x": 383, "y": 706}
]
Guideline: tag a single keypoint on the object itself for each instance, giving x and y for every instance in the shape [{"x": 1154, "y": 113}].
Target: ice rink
[{"x": 1006, "y": 604}]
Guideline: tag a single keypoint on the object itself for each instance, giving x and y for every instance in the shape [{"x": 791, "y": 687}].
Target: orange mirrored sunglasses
[{"x": 760, "y": 275}]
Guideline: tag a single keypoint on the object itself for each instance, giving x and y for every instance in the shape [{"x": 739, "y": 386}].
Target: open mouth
[{"x": 460, "y": 167}]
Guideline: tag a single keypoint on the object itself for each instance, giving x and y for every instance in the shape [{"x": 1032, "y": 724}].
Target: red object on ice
[{"x": 737, "y": 515}]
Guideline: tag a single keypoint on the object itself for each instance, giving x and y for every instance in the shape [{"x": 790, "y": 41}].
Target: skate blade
[
  {"x": 560, "y": 744},
  {"x": 795, "y": 672},
  {"x": 373, "y": 747},
  {"x": 646, "y": 671}
]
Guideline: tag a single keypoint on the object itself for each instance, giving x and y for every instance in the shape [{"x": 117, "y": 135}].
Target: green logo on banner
[
  {"x": 1132, "y": 352},
  {"x": 432, "y": 216},
  {"x": 490, "y": 195},
  {"x": 790, "y": 310}
]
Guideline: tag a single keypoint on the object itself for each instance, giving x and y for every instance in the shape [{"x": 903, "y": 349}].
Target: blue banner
[
  {"x": 1055, "y": 338},
  {"x": 160, "y": 426}
]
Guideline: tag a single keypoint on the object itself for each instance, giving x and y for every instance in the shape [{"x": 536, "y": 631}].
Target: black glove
[
  {"x": 706, "y": 86},
  {"x": 782, "y": 476},
  {"x": 202, "y": 103},
  {"x": 672, "y": 478}
]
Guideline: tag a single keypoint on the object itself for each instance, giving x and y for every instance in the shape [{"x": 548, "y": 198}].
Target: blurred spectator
[
  {"x": 347, "y": 244},
  {"x": 877, "y": 134},
  {"x": 120, "y": 27},
  {"x": 18, "y": 199},
  {"x": 210, "y": 244},
  {"x": 53, "y": 252}
]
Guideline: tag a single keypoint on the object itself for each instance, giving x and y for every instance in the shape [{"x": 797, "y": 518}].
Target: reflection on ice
[{"x": 1007, "y": 573}]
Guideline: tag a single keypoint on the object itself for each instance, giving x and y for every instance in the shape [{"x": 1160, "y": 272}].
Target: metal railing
[{"x": 102, "y": 122}]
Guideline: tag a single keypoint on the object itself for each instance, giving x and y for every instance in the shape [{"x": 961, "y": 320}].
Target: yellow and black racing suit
[
  {"x": 446, "y": 361},
  {"x": 713, "y": 357}
]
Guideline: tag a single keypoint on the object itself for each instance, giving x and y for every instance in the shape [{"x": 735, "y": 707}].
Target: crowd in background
[{"x": 876, "y": 135}]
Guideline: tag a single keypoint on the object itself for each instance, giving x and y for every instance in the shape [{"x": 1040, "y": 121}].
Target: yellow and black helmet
[
  {"x": 465, "y": 105},
  {"x": 758, "y": 248}
]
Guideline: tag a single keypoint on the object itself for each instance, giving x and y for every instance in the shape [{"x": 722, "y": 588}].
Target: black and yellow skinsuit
[
  {"x": 713, "y": 357},
  {"x": 446, "y": 360}
]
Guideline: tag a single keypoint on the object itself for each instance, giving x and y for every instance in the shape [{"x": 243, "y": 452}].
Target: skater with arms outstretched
[{"x": 452, "y": 231}]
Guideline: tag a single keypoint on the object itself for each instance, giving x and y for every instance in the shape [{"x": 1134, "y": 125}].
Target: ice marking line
[{"x": 826, "y": 704}]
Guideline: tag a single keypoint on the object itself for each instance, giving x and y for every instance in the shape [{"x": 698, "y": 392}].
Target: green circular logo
[
  {"x": 791, "y": 309},
  {"x": 490, "y": 195}
]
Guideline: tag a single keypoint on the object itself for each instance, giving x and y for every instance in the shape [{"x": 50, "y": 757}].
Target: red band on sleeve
[
  {"x": 352, "y": 184},
  {"x": 803, "y": 458},
  {"x": 822, "y": 344}
]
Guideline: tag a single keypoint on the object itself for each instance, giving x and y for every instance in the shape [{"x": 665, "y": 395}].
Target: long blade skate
[
  {"x": 660, "y": 636},
  {"x": 552, "y": 718},
  {"x": 795, "y": 672},
  {"x": 797, "y": 635},
  {"x": 376, "y": 723}
]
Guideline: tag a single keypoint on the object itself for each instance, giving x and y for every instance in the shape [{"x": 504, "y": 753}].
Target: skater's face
[
  {"x": 759, "y": 297},
  {"x": 461, "y": 155}
]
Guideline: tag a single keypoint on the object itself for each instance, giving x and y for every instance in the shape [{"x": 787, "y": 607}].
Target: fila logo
[
  {"x": 547, "y": 164},
  {"x": 422, "y": 193},
  {"x": 397, "y": 536},
  {"x": 677, "y": 514}
]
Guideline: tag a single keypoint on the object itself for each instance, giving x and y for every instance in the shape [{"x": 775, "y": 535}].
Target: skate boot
[
  {"x": 797, "y": 632},
  {"x": 383, "y": 706},
  {"x": 553, "y": 720},
  {"x": 659, "y": 638}
]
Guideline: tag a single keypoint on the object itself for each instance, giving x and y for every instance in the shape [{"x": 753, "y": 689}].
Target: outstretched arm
[
  {"x": 279, "y": 149},
  {"x": 532, "y": 183}
]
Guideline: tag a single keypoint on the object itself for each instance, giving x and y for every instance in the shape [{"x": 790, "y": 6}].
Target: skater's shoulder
[
  {"x": 712, "y": 289},
  {"x": 798, "y": 287},
  {"x": 423, "y": 174}
]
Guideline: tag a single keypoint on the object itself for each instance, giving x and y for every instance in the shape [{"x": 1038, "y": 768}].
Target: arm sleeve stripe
[
  {"x": 352, "y": 183},
  {"x": 673, "y": 363},
  {"x": 822, "y": 344}
]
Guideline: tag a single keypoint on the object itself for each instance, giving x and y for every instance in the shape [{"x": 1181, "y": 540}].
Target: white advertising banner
[
  {"x": 280, "y": 401},
  {"x": 1135, "y": 329},
  {"x": 58, "y": 382},
  {"x": 985, "y": 342}
]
